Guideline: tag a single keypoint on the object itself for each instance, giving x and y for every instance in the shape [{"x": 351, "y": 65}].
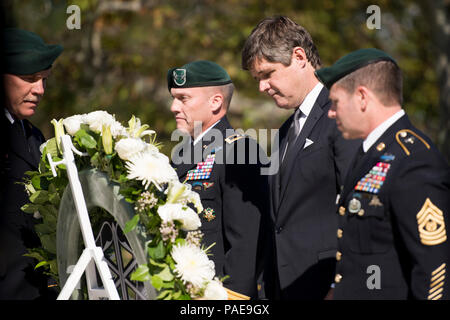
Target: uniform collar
[
  {"x": 378, "y": 131},
  {"x": 204, "y": 132}
]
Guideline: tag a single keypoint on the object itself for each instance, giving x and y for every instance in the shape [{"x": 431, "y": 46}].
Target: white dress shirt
[{"x": 308, "y": 103}]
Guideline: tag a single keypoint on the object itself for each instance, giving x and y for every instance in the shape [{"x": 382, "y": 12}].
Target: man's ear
[
  {"x": 363, "y": 96},
  {"x": 216, "y": 102},
  {"x": 299, "y": 55}
]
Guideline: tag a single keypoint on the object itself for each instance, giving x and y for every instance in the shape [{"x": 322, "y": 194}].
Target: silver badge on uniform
[{"x": 354, "y": 205}]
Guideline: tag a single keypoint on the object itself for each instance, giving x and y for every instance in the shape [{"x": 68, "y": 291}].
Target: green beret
[
  {"x": 25, "y": 53},
  {"x": 200, "y": 73},
  {"x": 349, "y": 63}
]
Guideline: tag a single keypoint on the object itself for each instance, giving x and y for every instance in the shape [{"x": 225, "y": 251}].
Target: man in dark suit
[
  {"x": 313, "y": 158},
  {"x": 395, "y": 205},
  {"x": 223, "y": 167},
  {"x": 26, "y": 66}
]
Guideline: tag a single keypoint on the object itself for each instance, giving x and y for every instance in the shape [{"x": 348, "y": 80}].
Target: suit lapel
[
  {"x": 34, "y": 142},
  {"x": 294, "y": 152},
  {"x": 18, "y": 143}
]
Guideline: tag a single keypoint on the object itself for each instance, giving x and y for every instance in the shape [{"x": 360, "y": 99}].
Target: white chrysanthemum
[
  {"x": 72, "y": 124},
  {"x": 150, "y": 167},
  {"x": 175, "y": 211},
  {"x": 129, "y": 147},
  {"x": 178, "y": 192},
  {"x": 215, "y": 291},
  {"x": 192, "y": 264}
]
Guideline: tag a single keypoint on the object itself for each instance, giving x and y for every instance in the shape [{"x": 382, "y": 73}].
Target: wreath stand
[{"x": 92, "y": 255}]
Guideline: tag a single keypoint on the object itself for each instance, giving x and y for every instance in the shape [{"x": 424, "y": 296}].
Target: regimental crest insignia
[
  {"x": 430, "y": 220},
  {"x": 209, "y": 214},
  {"x": 207, "y": 185},
  {"x": 179, "y": 76}
]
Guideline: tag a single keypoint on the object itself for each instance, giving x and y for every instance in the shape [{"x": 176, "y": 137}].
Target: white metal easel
[{"x": 92, "y": 255}]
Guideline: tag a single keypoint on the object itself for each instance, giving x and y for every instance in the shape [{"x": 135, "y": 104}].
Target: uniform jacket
[
  {"x": 232, "y": 197},
  {"x": 393, "y": 221},
  {"x": 304, "y": 202},
  {"x": 19, "y": 153}
]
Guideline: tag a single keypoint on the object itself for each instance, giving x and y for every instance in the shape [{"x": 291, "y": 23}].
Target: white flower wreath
[{"x": 178, "y": 267}]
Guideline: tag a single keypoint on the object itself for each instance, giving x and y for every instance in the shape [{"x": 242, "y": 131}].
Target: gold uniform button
[
  {"x": 338, "y": 256},
  {"x": 339, "y": 233},
  {"x": 337, "y": 278},
  {"x": 342, "y": 210},
  {"x": 361, "y": 212}
]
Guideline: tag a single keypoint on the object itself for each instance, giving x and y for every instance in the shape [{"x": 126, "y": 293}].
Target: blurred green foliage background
[{"x": 118, "y": 60}]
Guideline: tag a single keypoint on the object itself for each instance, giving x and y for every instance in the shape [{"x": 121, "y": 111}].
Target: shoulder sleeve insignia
[
  {"x": 234, "y": 137},
  {"x": 406, "y": 136},
  {"x": 437, "y": 283},
  {"x": 430, "y": 220}
]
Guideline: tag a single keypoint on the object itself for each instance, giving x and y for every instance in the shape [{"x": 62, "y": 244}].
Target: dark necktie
[{"x": 293, "y": 132}]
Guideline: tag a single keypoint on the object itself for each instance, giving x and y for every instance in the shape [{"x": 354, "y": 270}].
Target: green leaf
[
  {"x": 36, "y": 182},
  {"x": 141, "y": 274},
  {"x": 157, "y": 282},
  {"x": 95, "y": 160},
  {"x": 43, "y": 228},
  {"x": 165, "y": 274},
  {"x": 157, "y": 252},
  {"x": 51, "y": 147},
  {"x": 54, "y": 198},
  {"x": 39, "y": 197},
  {"x": 164, "y": 295},
  {"x": 184, "y": 297},
  {"x": 130, "y": 225},
  {"x": 49, "y": 242},
  {"x": 156, "y": 264},
  {"x": 41, "y": 264},
  {"x": 85, "y": 139},
  {"x": 35, "y": 255},
  {"x": 30, "y": 208}
]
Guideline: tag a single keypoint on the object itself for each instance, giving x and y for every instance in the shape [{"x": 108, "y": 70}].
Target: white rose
[
  {"x": 128, "y": 147},
  {"x": 72, "y": 124},
  {"x": 215, "y": 291},
  {"x": 96, "y": 119},
  {"x": 175, "y": 211}
]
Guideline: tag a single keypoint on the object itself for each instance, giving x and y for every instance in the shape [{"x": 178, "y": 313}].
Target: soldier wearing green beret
[
  {"x": 395, "y": 205},
  {"x": 223, "y": 167},
  {"x": 27, "y": 62}
]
